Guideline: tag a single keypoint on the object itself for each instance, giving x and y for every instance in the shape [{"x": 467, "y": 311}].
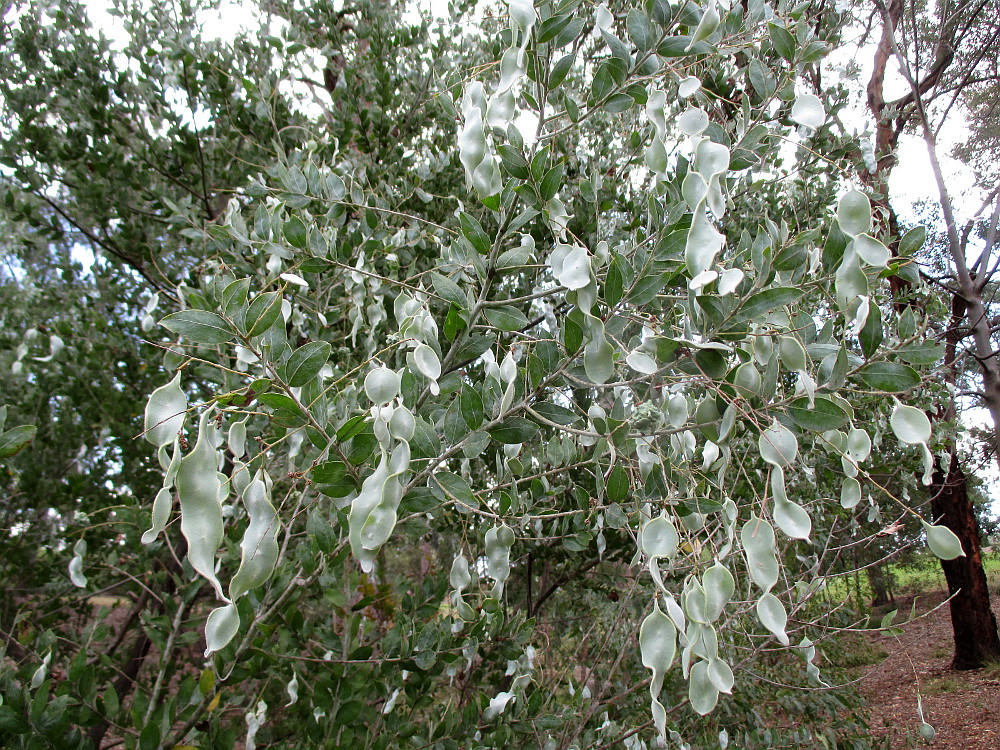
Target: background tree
[
  {"x": 432, "y": 400},
  {"x": 946, "y": 56}
]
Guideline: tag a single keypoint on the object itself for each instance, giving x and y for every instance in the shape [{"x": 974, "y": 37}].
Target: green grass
[{"x": 922, "y": 575}]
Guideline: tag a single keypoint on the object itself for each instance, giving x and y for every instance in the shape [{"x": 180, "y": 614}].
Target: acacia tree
[
  {"x": 947, "y": 57},
  {"x": 421, "y": 384}
]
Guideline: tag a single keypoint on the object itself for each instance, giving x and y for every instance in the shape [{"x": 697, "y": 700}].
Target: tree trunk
[
  {"x": 880, "y": 581},
  {"x": 972, "y": 619},
  {"x": 973, "y": 622}
]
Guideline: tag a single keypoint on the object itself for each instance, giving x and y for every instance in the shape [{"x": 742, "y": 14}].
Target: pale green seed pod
[
  {"x": 165, "y": 412},
  {"x": 259, "y": 548},
  {"x": 199, "y": 490},
  {"x": 382, "y": 385}
]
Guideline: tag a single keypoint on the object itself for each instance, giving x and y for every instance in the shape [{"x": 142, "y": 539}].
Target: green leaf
[
  {"x": 783, "y": 41},
  {"x": 824, "y": 415},
  {"x": 263, "y": 313},
  {"x": 281, "y": 402},
  {"x": 350, "y": 428},
  {"x": 555, "y": 413},
  {"x": 474, "y": 347},
  {"x": 614, "y": 282},
  {"x": 295, "y": 232},
  {"x": 514, "y": 431},
  {"x": 199, "y": 326},
  {"x": 451, "y": 487},
  {"x": 234, "y": 297},
  {"x": 513, "y": 161},
  {"x": 474, "y": 233},
  {"x": 551, "y": 182},
  {"x": 329, "y": 472},
  {"x": 618, "y": 103},
  {"x": 550, "y": 27},
  {"x": 922, "y": 352},
  {"x": 889, "y": 377},
  {"x": 306, "y": 362},
  {"x": 760, "y": 304},
  {"x": 912, "y": 241},
  {"x": 506, "y": 318},
  {"x": 872, "y": 334},
  {"x": 449, "y": 290},
  {"x": 639, "y": 31},
  {"x": 15, "y": 439},
  {"x": 677, "y": 46},
  {"x": 556, "y": 76},
  {"x": 570, "y": 32},
  {"x": 618, "y": 486},
  {"x": 472, "y": 407}
]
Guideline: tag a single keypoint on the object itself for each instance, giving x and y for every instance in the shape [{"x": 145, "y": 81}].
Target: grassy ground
[{"x": 919, "y": 576}]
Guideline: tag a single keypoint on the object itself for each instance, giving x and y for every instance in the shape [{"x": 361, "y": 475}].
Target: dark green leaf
[
  {"x": 329, "y": 472},
  {"x": 306, "y": 362},
  {"x": 551, "y": 182},
  {"x": 199, "y": 326},
  {"x": 263, "y": 313},
  {"x": 783, "y": 41},
  {"x": 676, "y": 46},
  {"x": 15, "y": 439},
  {"x": 295, "y": 233},
  {"x": 618, "y": 103},
  {"x": 760, "y": 304},
  {"x": 506, "y": 318},
  {"x": 555, "y": 413},
  {"x": 889, "y": 377},
  {"x": 618, "y": 486},
  {"x": 871, "y": 335},
  {"x": 558, "y": 74},
  {"x": 912, "y": 241},
  {"x": 550, "y": 27},
  {"x": 824, "y": 415},
  {"x": 472, "y": 407},
  {"x": 281, "y": 402},
  {"x": 451, "y": 487},
  {"x": 639, "y": 31},
  {"x": 570, "y": 32},
  {"x": 513, "y": 431},
  {"x": 425, "y": 442},
  {"x": 514, "y": 162},
  {"x": 922, "y": 352},
  {"x": 449, "y": 290},
  {"x": 350, "y": 428},
  {"x": 474, "y": 346},
  {"x": 474, "y": 233}
]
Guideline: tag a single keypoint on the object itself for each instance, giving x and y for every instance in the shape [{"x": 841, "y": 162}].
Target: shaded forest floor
[{"x": 963, "y": 706}]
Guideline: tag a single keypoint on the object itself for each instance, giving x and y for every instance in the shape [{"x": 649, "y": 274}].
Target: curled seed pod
[
  {"x": 237, "y": 438},
  {"x": 220, "y": 628},
  {"x": 382, "y": 385},
  {"x": 259, "y": 548},
  {"x": 76, "y": 565},
  {"x": 460, "y": 576},
  {"x": 199, "y": 490},
  {"x": 497, "y": 559},
  {"x": 165, "y": 412},
  {"x": 758, "y": 541}
]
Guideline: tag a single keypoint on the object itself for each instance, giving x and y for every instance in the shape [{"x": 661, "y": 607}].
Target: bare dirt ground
[{"x": 964, "y": 707}]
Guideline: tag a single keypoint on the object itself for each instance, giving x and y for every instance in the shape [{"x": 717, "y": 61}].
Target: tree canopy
[{"x": 445, "y": 385}]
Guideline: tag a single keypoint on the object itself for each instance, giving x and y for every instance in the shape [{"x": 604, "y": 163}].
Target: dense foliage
[{"x": 515, "y": 387}]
